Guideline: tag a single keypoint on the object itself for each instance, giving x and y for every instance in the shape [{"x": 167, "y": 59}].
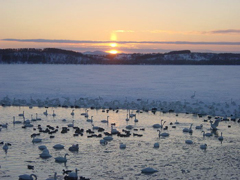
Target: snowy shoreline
[{"x": 193, "y": 106}]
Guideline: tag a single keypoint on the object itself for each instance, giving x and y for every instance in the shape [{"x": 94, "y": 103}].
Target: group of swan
[{"x": 45, "y": 152}]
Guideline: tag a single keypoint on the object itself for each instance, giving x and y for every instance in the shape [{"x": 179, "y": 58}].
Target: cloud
[
  {"x": 123, "y": 31},
  {"x": 227, "y": 31},
  {"x": 224, "y": 31},
  {"x": 121, "y": 42}
]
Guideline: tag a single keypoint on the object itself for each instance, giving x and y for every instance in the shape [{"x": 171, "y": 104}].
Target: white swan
[
  {"x": 148, "y": 170},
  {"x": 16, "y": 122},
  {"x": 162, "y": 134},
  {"x": 215, "y": 124},
  {"x": 61, "y": 159},
  {"x": 108, "y": 138},
  {"x": 114, "y": 131},
  {"x": 129, "y": 127},
  {"x": 187, "y": 129},
  {"x": 45, "y": 113},
  {"x": 74, "y": 147},
  {"x": 28, "y": 125},
  {"x": 177, "y": 122},
  {"x": 159, "y": 125},
  {"x": 220, "y": 138},
  {"x": 21, "y": 114},
  {"x": 206, "y": 134},
  {"x": 85, "y": 114},
  {"x": 5, "y": 125},
  {"x": 72, "y": 113},
  {"x": 188, "y": 141},
  {"x": 95, "y": 127},
  {"x": 42, "y": 147},
  {"x": 105, "y": 121},
  {"x": 72, "y": 124},
  {"x": 45, "y": 154},
  {"x": 37, "y": 118},
  {"x": 199, "y": 127},
  {"x": 5, "y": 147},
  {"x": 132, "y": 115},
  {"x": 53, "y": 114},
  {"x": 135, "y": 120},
  {"x": 90, "y": 120},
  {"x": 27, "y": 177},
  {"x": 26, "y": 121},
  {"x": 103, "y": 142},
  {"x": 36, "y": 140},
  {"x": 58, "y": 146},
  {"x": 203, "y": 146},
  {"x": 156, "y": 145},
  {"x": 73, "y": 175},
  {"x": 122, "y": 146},
  {"x": 127, "y": 119}
]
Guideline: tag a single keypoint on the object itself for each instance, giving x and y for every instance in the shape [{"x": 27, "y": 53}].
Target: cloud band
[{"x": 121, "y": 42}]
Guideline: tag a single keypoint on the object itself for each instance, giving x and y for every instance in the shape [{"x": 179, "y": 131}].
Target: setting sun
[{"x": 113, "y": 51}]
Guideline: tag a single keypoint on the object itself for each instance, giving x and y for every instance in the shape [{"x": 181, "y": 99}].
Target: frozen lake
[{"x": 31, "y": 88}]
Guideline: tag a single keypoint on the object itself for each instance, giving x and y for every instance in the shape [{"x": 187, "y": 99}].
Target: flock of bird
[{"x": 98, "y": 132}]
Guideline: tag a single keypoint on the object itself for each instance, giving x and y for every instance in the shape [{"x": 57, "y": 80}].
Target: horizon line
[{"x": 123, "y": 42}]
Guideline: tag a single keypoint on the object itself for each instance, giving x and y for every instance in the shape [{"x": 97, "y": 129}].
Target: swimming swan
[
  {"x": 203, "y": 146},
  {"x": 61, "y": 159},
  {"x": 159, "y": 125},
  {"x": 105, "y": 121},
  {"x": 16, "y": 122},
  {"x": 27, "y": 177},
  {"x": 162, "y": 134},
  {"x": 58, "y": 146},
  {"x": 220, "y": 138},
  {"x": 148, "y": 170}
]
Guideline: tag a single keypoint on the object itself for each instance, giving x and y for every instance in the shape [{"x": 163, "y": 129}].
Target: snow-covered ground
[{"x": 165, "y": 87}]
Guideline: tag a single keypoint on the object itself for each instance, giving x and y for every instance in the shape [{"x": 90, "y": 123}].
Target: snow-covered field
[{"x": 121, "y": 86}]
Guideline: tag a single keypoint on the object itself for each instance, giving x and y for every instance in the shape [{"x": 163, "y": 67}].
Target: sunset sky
[{"x": 126, "y": 26}]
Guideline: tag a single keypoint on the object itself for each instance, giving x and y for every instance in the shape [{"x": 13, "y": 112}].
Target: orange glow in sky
[{"x": 171, "y": 21}]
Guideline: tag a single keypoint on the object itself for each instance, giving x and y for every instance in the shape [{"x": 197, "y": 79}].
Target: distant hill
[
  {"x": 95, "y": 53},
  {"x": 60, "y": 56}
]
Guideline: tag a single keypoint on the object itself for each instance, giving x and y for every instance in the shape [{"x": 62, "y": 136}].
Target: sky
[{"x": 121, "y": 26}]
